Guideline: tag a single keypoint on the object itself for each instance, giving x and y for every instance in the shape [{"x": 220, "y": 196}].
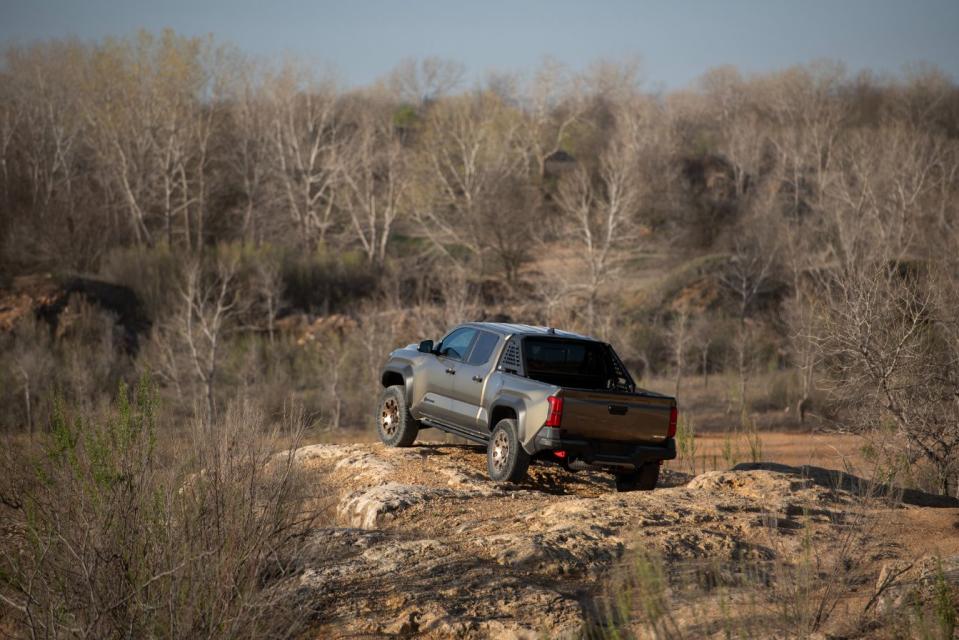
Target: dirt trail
[{"x": 425, "y": 543}]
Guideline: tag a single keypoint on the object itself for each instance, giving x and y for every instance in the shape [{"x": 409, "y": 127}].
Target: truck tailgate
[{"x": 621, "y": 417}]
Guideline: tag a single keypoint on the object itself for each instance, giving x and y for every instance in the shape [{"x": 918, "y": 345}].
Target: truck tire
[
  {"x": 642, "y": 479},
  {"x": 506, "y": 460},
  {"x": 394, "y": 424}
]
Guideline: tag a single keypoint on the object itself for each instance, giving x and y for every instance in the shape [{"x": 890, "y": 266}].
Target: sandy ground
[{"x": 834, "y": 451}]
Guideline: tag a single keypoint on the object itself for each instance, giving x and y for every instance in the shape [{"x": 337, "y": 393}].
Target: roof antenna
[{"x": 551, "y": 330}]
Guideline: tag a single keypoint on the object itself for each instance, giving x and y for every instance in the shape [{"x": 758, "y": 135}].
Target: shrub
[
  {"x": 153, "y": 274},
  {"x": 118, "y": 532},
  {"x": 324, "y": 283},
  {"x": 80, "y": 360}
]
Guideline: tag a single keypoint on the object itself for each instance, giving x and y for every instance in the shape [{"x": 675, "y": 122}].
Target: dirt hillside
[{"x": 424, "y": 544}]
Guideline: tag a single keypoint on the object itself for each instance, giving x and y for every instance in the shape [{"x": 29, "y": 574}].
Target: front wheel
[
  {"x": 642, "y": 479},
  {"x": 394, "y": 424},
  {"x": 506, "y": 460}
]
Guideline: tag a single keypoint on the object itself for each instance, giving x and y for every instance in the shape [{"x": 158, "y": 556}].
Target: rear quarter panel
[{"x": 527, "y": 396}]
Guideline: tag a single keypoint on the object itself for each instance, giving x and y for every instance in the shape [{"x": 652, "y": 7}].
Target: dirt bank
[{"x": 424, "y": 543}]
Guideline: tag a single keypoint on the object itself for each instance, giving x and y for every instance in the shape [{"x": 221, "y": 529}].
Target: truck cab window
[
  {"x": 483, "y": 349},
  {"x": 457, "y": 344},
  {"x": 568, "y": 363}
]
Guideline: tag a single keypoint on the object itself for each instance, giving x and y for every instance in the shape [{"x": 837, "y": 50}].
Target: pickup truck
[{"x": 529, "y": 394}]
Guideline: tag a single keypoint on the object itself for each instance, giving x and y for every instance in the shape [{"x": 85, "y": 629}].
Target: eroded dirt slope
[{"x": 424, "y": 543}]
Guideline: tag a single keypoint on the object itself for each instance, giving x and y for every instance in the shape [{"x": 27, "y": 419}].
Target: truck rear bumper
[{"x": 601, "y": 452}]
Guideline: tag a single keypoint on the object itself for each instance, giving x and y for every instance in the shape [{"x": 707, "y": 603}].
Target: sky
[{"x": 676, "y": 41}]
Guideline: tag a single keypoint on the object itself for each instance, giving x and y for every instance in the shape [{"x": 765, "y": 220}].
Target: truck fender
[
  {"x": 389, "y": 377},
  {"x": 502, "y": 405}
]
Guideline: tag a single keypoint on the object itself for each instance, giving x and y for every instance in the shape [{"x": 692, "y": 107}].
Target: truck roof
[{"x": 507, "y": 329}]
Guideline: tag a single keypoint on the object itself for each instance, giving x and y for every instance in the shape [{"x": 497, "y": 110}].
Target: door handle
[
  {"x": 477, "y": 378},
  {"x": 452, "y": 372}
]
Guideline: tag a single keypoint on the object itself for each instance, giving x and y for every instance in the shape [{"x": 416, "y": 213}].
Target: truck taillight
[
  {"x": 555, "y": 415},
  {"x": 673, "y": 417}
]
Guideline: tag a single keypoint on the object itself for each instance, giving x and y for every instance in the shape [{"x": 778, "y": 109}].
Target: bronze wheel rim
[
  {"x": 500, "y": 450},
  {"x": 390, "y": 416}
]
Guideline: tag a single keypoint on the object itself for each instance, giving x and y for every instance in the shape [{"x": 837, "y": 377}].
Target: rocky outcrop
[
  {"x": 49, "y": 299},
  {"x": 421, "y": 542}
]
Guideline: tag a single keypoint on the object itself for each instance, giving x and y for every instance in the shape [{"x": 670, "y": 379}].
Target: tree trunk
[
  {"x": 27, "y": 402},
  {"x": 210, "y": 403},
  {"x": 706, "y": 368},
  {"x": 945, "y": 487},
  {"x": 742, "y": 370},
  {"x": 271, "y": 313}
]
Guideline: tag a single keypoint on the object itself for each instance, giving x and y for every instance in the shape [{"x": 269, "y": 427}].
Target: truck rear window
[{"x": 568, "y": 363}]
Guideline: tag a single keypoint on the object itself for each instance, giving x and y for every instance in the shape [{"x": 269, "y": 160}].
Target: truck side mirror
[{"x": 426, "y": 346}]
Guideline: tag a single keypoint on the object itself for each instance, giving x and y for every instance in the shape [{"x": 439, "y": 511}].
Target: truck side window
[
  {"x": 483, "y": 349},
  {"x": 457, "y": 344}
]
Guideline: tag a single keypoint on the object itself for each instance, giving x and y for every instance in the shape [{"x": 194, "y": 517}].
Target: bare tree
[
  {"x": 469, "y": 147},
  {"x": 306, "y": 143},
  {"x": 375, "y": 181},
  {"x": 554, "y": 103},
  {"x": 32, "y": 363},
  {"x": 152, "y": 132},
  {"x": 250, "y": 159},
  {"x": 743, "y": 136},
  {"x": 703, "y": 335},
  {"x": 601, "y": 211},
  {"x": 807, "y": 117},
  {"x": 268, "y": 287},
  {"x": 211, "y": 304},
  {"x": 888, "y": 340},
  {"x": 421, "y": 82},
  {"x": 886, "y": 317},
  {"x": 749, "y": 271},
  {"x": 680, "y": 337},
  {"x": 614, "y": 81},
  {"x": 11, "y": 108},
  {"x": 49, "y": 117}
]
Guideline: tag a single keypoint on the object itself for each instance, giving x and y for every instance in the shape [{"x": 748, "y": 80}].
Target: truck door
[
  {"x": 472, "y": 377},
  {"x": 441, "y": 372}
]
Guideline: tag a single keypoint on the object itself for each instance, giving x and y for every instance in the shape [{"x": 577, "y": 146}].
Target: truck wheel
[
  {"x": 642, "y": 479},
  {"x": 394, "y": 424},
  {"x": 506, "y": 460}
]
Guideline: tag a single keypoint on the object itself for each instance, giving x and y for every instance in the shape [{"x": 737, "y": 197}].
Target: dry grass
[
  {"x": 823, "y": 578},
  {"x": 115, "y": 530}
]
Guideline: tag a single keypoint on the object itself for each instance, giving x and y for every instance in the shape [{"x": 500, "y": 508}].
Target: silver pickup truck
[{"x": 529, "y": 393}]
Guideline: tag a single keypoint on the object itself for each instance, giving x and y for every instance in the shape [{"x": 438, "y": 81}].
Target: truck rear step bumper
[{"x": 603, "y": 452}]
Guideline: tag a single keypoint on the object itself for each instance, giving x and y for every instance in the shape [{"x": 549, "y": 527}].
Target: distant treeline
[{"x": 805, "y": 219}]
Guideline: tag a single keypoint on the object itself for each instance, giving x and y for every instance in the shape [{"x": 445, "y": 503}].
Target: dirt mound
[
  {"x": 832, "y": 478},
  {"x": 423, "y": 541}
]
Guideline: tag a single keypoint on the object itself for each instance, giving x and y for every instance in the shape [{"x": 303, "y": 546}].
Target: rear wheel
[
  {"x": 506, "y": 460},
  {"x": 642, "y": 479},
  {"x": 394, "y": 424}
]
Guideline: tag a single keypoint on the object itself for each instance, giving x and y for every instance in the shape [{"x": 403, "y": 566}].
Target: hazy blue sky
[{"x": 677, "y": 41}]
